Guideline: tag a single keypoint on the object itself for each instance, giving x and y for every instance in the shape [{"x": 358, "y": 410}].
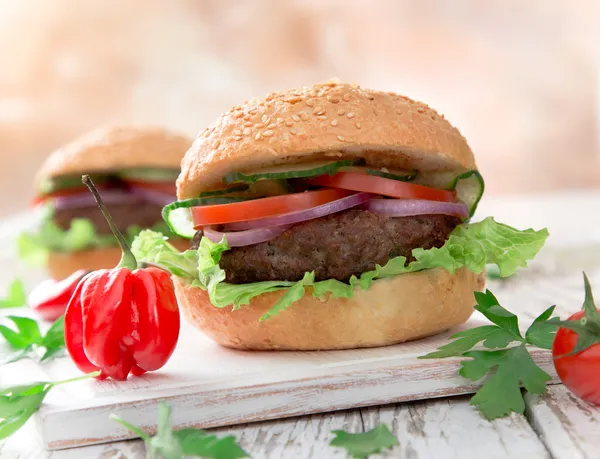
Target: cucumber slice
[
  {"x": 149, "y": 174},
  {"x": 394, "y": 174},
  {"x": 179, "y": 218},
  {"x": 469, "y": 185},
  {"x": 59, "y": 183},
  {"x": 288, "y": 172},
  {"x": 469, "y": 188}
]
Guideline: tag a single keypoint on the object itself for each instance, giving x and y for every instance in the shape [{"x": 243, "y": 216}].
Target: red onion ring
[
  {"x": 303, "y": 215},
  {"x": 248, "y": 237},
  {"x": 85, "y": 199},
  {"x": 411, "y": 207},
  {"x": 156, "y": 197}
]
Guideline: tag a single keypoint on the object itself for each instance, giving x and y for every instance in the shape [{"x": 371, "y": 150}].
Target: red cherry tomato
[{"x": 579, "y": 372}]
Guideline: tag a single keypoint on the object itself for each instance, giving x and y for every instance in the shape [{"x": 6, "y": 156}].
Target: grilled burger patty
[
  {"x": 335, "y": 247},
  {"x": 142, "y": 213}
]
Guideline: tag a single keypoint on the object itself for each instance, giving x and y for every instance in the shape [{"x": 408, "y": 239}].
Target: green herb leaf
[
  {"x": 501, "y": 393},
  {"x": 16, "y": 295},
  {"x": 27, "y": 334},
  {"x": 542, "y": 331},
  {"x": 488, "y": 305},
  {"x": 18, "y": 403},
  {"x": 170, "y": 444},
  {"x": 491, "y": 335},
  {"x": 362, "y": 445},
  {"x": 199, "y": 443},
  {"x": 507, "y": 368},
  {"x": 28, "y": 339}
]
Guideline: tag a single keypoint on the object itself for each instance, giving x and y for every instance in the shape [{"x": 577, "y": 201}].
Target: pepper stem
[{"x": 127, "y": 258}]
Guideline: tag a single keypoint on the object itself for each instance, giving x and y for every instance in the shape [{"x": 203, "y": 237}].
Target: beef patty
[
  {"x": 142, "y": 213},
  {"x": 335, "y": 247}
]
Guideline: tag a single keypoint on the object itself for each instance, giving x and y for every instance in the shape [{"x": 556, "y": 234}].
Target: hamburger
[
  {"x": 331, "y": 217},
  {"x": 134, "y": 167}
]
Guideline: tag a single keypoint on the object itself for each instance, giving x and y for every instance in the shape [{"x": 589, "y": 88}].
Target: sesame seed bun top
[
  {"x": 116, "y": 148},
  {"x": 326, "y": 121}
]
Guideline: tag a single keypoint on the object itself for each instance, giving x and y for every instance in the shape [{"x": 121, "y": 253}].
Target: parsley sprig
[
  {"x": 27, "y": 339},
  {"x": 505, "y": 359},
  {"x": 16, "y": 295},
  {"x": 18, "y": 403},
  {"x": 170, "y": 444},
  {"x": 362, "y": 445}
]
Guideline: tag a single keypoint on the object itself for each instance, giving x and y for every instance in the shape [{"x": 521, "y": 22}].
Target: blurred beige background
[{"x": 519, "y": 78}]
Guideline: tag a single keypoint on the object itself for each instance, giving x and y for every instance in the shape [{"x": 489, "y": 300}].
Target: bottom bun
[
  {"x": 62, "y": 264},
  {"x": 393, "y": 310}
]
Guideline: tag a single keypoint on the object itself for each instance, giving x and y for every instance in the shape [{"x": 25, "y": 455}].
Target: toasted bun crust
[
  {"x": 63, "y": 264},
  {"x": 325, "y": 121},
  {"x": 114, "y": 148},
  {"x": 393, "y": 310}
]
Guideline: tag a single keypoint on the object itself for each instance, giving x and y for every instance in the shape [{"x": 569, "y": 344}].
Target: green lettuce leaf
[
  {"x": 472, "y": 245},
  {"x": 33, "y": 249}
]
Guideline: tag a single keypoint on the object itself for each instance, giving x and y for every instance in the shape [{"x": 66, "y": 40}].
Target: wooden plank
[
  {"x": 568, "y": 426},
  {"x": 454, "y": 429},
  {"x": 26, "y": 445},
  {"x": 299, "y": 438}
]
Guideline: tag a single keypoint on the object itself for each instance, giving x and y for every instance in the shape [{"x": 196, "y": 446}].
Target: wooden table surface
[{"x": 555, "y": 425}]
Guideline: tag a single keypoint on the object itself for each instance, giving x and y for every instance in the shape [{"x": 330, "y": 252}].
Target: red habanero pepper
[
  {"x": 50, "y": 298},
  {"x": 122, "y": 320}
]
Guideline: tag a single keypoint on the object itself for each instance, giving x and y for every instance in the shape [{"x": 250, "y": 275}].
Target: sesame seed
[
  {"x": 257, "y": 137},
  {"x": 280, "y": 120},
  {"x": 346, "y": 97},
  {"x": 334, "y": 122},
  {"x": 350, "y": 115},
  {"x": 310, "y": 102},
  {"x": 216, "y": 144},
  {"x": 290, "y": 123},
  {"x": 268, "y": 133},
  {"x": 248, "y": 124},
  {"x": 272, "y": 125},
  {"x": 293, "y": 100},
  {"x": 322, "y": 117},
  {"x": 264, "y": 119},
  {"x": 295, "y": 117},
  {"x": 303, "y": 116},
  {"x": 259, "y": 125},
  {"x": 341, "y": 111},
  {"x": 253, "y": 110},
  {"x": 340, "y": 138},
  {"x": 237, "y": 115},
  {"x": 238, "y": 138},
  {"x": 358, "y": 124},
  {"x": 318, "y": 111},
  {"x": 293, "y": 132},
  {"x": 237, "y": 132},
  {"x": 247, "y": 131}
]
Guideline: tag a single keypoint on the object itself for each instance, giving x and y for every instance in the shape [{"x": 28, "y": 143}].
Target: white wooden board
[{"x": 209, "y": 386}]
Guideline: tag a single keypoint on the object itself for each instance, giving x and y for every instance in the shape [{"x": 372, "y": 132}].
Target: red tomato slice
[
  {"x": 62, "y": 194},
  {"x": 579, "y": 372},
  {"x": 383, "y": 186},
  {"x": 264, "y": 207},
  {"x": 163, "y": 187}
]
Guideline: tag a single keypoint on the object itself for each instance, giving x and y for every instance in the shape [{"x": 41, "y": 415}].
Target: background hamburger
[
  {"x": 331, "y": 217},
  {"x": 135, "y": 169}
]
